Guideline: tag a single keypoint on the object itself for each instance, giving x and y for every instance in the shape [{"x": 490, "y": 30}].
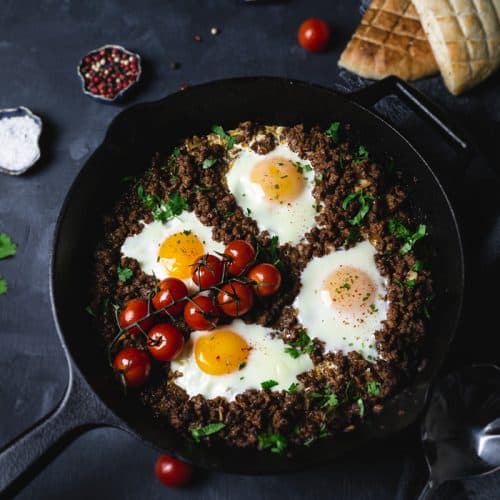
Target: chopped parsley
[
  {"x": 353, "y": 236},
  {"x": 327, "y": 398},
  {"x": 323, "y": 433},
  {"x": 302, "y": 167},
  {"x": 124, "y": 274},
  {"x": 274, "y": 442},
  {"x": 293, "y": 388},
  {"x": 398, "y": 229},
  {"x": 361, "y": 405},
  {"x": 89, "y": 310},
  {"x": 206, "y": 430},
  {"x": 364, "y": 200},
  {"x": 361, "y": 154},
  {"x": 3, "y": 285},
  {"x": 230, "y": 141},
  {"x": 242, "y": 365},
  {"x": 373, "y": 308},
  {"x": 333, "y": 131},
  {"x": 373, "y": 388},
  {"x": 7, "y": 247},
  {"x": 418, "y": 266},
  {"x": 268, "y": 384},
  {"x": 162, "y": 210},
  {"x": 406, "y": 284},
  {"x": 303, "y": 345},
  {"x": 248, "y": 211},
  {"x": 208, "y": 163},
  {"x": 270, "y": 253}
]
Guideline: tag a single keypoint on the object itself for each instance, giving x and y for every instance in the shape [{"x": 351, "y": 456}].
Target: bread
[
  {"x": 389, "y": 41},
  {"x": 465, "y": 38}
]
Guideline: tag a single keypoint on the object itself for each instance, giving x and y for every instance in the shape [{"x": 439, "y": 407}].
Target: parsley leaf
[
  {"x": 3, "y": 286},
  {"x": 364, "y": 200},
  {"x": 7, "y": 247},
  {"x": 293, "y": 388},
  {"x": 124, "y": 274},
  {"x": 207, "y": 430},
  {"x": 418, "y": 266},
  {"x": 327, "y": 397},
  {"x": 302, "y": 167},
  {"x": 208, "y": 163},
  {"x": 160, "y": 209},
  {"x": 398, "y": 229},
  {"x": 333, "y": 131},
  {"x": 270, "y": 253},
  {"x": 275, "y": 442},
  {"x": 303, "y": 345},
  {"x": 230, "y": 141},
  {"x": 268, "y": 384},
  {"x": 373, "y": 388},
  {"x": 361, "y": 406},
  {"x": 361, "y": 154},
  {"x": 89, "y": 310},
  {"x": 405, "y": 284}
]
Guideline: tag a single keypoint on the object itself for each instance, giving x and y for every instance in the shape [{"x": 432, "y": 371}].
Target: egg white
[
  {"x": 145, "y": 245},
  {"x": 337, "y": 330},
  {"x": 288, "y": 221},
  {"x": 267, "y": 360}
]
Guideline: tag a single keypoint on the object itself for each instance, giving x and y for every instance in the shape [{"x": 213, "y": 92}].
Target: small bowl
[
  {"x": 22, "y": 111},
  {"x": 123, "y": 91}
]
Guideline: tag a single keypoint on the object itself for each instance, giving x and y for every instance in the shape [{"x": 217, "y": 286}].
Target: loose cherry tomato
[
  {"x": 207, "y": 271},
  {"x": 235, "y": 299},
  {"x": 267, "y": 279},
  {"x": 134, "y": 310},
  {"x": 172, "y": 472},
  {"x": 241, "y": 255},
  {"x": 134, "y": 365},
  {"x": 165, "y": 342},
  {"x": 313, "y": 34},
  {"x": 171, "y": 289},
  {"x": 201, "y": 313}
]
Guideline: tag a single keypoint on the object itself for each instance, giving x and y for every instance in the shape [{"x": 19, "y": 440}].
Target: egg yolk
[
  {"x": 221, "y": 352},
  {"x": 351, "y": 290},
  {"x": 178, "y": 252},
  {"x": 279, "y": 178}
]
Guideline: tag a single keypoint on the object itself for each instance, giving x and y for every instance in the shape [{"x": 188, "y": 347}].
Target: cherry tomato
[
  {"x": 134, "y": 310},
  {"x": 201, "y": 313},
  {"x": 313, "y": 34},
  {"x": 267, "y": 279},
  {"x": 134, "y": 365},
  {"x": 172, "y": 472},
  {"x": 235, "y": 299},
  {"x": 207, "y": 271},
  {"x": 241, "y": 255},
  {"x": 165, "y": 342},
  {"x": 171, "y": 289}
]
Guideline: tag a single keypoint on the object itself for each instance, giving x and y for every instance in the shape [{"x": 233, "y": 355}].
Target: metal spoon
[{"x": 461, "y": 430}]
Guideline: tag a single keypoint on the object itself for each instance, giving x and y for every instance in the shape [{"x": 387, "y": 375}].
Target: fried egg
[
  {"x": 168, "y": 249},
  {"x": 343, "y": 300},
  {"x": 231, "y": 359},
  {"x": 275, "y": 189}
]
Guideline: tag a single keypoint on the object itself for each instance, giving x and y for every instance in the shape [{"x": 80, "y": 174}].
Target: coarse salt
[{"x": 18, "y": 142}]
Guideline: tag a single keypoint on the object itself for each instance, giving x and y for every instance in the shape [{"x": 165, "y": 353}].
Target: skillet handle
[
  {"x": 78, "y": 411},
  {"x": 419, "y": 103}
]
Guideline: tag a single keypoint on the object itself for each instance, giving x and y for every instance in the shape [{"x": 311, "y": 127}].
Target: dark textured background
[{"x": 40, "y": 45}]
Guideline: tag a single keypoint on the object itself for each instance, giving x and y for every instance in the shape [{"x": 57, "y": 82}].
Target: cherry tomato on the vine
[
  {"x": 170, "y": 290},
  {"x": 172, "y": 472},
  {"x": 165, "y": 342},
  {"x": 241, "y": 255},
  {"x": 267, "y": 279},
  {"x": 134, "y": 310},
  {"x": 208, "y": 271},
  {"x": 134, "y": 365},
  {"x": 235, "y": 298},
  {"x": 201, "y": 313},
  {"x": 313, "y": 34}
]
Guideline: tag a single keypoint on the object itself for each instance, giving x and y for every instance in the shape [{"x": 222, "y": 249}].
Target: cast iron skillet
[{"x": 93, "y": 398}]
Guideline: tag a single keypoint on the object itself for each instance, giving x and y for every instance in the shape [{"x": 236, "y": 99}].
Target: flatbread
[
  {"x": 389, "y": 41},
  {"x": 465, "y": 38}
]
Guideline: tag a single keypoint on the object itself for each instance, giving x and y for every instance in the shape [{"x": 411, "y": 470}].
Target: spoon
[{"x": 461, "y": 430}]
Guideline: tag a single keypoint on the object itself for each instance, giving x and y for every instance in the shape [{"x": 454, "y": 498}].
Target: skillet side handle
[
  {"x": 22, "y": 458},
  {"x": 419, "y": 103}
]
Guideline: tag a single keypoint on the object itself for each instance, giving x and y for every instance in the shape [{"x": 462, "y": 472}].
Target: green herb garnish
[
  {"x": 230, "y": 141},
  {"x": 275, "y": 442},
  {"x": 293, "y": 388},
  {"x": 89, "y": 310},
  {"x": 398, "y": 229},
  {"x": 364, "y": 200},
  {"x": 418, "y": 266},
  {"x": 124, "y": 274},
  {"x": 206, "y": 430},
  {"x": 302, "y": 167},
  {"x": 3, "y": 285},
  {"x": 303, "y": 345},
  {"x": 333, "y": 131},
  {"x": 7, "y": 246},
  {"x": 268, "y": 384},
  {"x": 208, "y": 163},
  {"x": 327, "y": 398},
  {"x": 160, "y": 209},
  {"x": 361, "y": 154},
  {"x": 373, "y": 387},
  {"x": 361, "y": 406}
]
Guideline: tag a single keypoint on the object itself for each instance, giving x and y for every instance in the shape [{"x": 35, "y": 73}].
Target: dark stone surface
[{"x": 40, "y": 46}]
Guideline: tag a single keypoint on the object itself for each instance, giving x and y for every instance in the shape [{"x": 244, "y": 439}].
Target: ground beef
[{"x": 342, "y": 388}]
